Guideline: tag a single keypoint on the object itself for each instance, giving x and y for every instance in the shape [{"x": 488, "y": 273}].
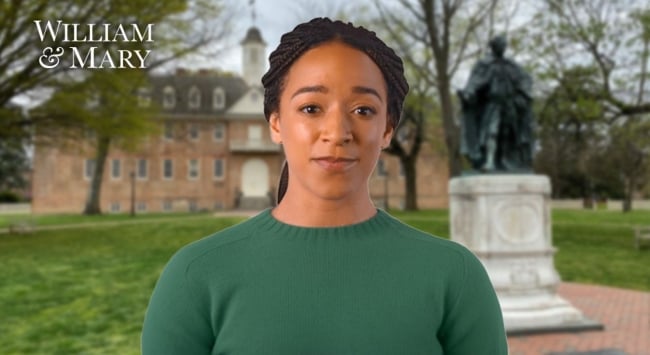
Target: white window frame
[
  {"x": 146, "y": 169},
  {"x": 194, "y": 131},
  {"x": 116, "y": 162},
  {"x": 93, "y": 100},
  {"x": 144, "y": 97},
  {"x": 90, "y": 134},
  {"x": 223, "y": 169},
  {"x": 196, "y": 168},
  {"x": 193, "y": 205},
  {"x": 194, "y": 98},
  {"x": 255, "y": 132},
  {"x": 167, "y": 206},
  {"x": 252, "y": 55},
  {"x": 141, "y": 206},
  {"x": 88, "y": 175},
  {"x": 219, "y": 127},
  {"x": 168, "y": 131},
  {"x": 172, "y": 169},
  {"x": 218, "y": 98},
  {"x": 115, "y": 207},
  {"x": 169, "y": 97}
]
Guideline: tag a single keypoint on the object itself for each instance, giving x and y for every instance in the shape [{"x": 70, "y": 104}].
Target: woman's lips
[{"x": 334, "y": 164}]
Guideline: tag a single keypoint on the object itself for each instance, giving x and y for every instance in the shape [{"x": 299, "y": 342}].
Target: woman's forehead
[{"x": 336, "y": 63}]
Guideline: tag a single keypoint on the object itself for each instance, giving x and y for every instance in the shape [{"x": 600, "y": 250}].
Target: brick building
[{"x": 214, "y": 152}]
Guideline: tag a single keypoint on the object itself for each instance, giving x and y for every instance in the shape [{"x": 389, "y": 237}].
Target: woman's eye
[
  {"x": 364, "y": 111},
  {"x": 310, "y": 109}
]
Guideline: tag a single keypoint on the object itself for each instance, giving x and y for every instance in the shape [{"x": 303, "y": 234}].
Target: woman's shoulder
[
  {"x": 220, "y": 239},
  {"x": 429, "y": 242}
]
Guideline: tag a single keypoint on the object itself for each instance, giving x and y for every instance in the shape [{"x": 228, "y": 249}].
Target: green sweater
[{"x": 376, "y": 287}]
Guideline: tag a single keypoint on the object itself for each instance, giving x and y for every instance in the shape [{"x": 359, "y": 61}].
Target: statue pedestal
[{"x": 505, "y": 220}]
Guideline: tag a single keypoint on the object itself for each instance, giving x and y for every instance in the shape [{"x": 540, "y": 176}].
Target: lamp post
[{"x": 132, "y": 175}]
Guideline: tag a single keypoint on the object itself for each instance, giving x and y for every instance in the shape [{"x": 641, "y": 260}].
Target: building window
[
  {"x": 115, "y": 207},
  {"x": 219, "y": 132},
  {"x": 169, "y": 131},
  {"x": 141, "y": 206},
  {"x": 218, "y": 98},
  {"x": 89, "y": 168},
  {"x": 219, "y": 168},
  {"x": 193, "y": 169},
  {"x": 252, "y": 58},
  {"x": 90, "y": 134},
  {"x": 92, "y": 102},
  {"x": 116, "y": 169},
  {"x": 255, "y": 132},
  {"x": 169, "y": 97},
  {"x": 218, "y": 205},
  {"x": 167, "y": 205},
  {"x": 193, "y": 206},
  {"x": 142, "y": 169},
  {"x": 194, "y": 131},
  {"x": 144, "y": 97},
  {"x": 168, "y": 169},
  {"x": 194, "y": 98},
  {"x": 381, "y": 168}
]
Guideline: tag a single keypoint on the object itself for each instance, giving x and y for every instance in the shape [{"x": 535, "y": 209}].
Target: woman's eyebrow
[
  {"x": 366, "y": 90},
  {"x": 324, "y": 90},
  {"x": 306, "y": 89}
]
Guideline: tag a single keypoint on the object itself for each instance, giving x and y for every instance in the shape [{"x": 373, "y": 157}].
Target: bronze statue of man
[{"x": 496, "y": 116}]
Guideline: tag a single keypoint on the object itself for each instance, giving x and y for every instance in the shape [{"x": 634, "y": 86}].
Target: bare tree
[
  {"x": 436, "y": 38},
  {"x": 610, "y": 41},
  {"x": 417, "y": 118}
]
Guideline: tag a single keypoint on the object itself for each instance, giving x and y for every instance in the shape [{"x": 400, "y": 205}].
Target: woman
[{"x": 325, "y": 272}]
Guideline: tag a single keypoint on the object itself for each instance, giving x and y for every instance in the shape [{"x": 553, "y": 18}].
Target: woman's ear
[
  {"x": 274, "y": 126},
  {"x": 388, "y": 135}
]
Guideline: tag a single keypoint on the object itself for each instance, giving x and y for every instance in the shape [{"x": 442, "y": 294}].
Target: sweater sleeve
[
  {"x": 473, "y": 323},
  {"x": 176, "y": 321}
]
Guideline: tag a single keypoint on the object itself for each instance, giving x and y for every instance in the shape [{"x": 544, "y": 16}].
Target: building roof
[
  {"x": 206, "y": 82},
  {"x": 253, "y": 36}
]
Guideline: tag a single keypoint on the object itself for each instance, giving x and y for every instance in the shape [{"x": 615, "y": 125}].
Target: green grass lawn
[
  {"x": 64, "y": 219},
  {"x": 85, "y": 290}
]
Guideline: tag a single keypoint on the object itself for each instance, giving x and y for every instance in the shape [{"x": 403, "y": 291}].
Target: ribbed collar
[{"x": 378, "y": 223}]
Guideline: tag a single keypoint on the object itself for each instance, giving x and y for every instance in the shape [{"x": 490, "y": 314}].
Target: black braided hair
[{"x": 320, "y": 30}]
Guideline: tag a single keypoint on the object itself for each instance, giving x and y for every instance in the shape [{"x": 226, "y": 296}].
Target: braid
[{"x": 320, "y": 30}]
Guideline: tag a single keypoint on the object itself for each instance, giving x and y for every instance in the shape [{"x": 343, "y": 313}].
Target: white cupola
[{"x": 254, "y": 57}]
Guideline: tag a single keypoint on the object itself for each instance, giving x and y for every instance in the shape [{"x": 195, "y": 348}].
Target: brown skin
[{"x": 333, "y": 123}]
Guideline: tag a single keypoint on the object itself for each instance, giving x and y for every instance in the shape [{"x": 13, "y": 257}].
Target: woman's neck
[{"x": 323, "y": 213}]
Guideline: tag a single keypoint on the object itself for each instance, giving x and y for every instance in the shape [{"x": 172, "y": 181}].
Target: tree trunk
[
  {"x": 92, "y": 204},
  {"x": 627, "y": 199},
  {"x": 452, "y": 132},
  {"x": 410, "y": 182}
]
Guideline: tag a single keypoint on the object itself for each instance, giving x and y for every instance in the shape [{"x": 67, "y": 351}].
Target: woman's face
[{"x": 332, "y": 122}]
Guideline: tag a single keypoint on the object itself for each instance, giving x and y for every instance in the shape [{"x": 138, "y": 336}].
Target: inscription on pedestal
[
  {"x": 518, "y": 221},
  {"x": 524, "y": 276}
]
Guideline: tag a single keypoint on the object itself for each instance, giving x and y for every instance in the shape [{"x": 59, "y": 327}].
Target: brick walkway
[{"x": 624, "y": 313}]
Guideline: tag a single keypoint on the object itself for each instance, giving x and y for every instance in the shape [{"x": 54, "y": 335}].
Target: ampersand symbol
[{"x": 50, "y": 57}]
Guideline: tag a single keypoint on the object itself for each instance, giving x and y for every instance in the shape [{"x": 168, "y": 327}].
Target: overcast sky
[{"x": 273, "y": 18}]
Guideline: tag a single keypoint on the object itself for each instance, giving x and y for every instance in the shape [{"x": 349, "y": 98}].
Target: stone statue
[{"x": 496, "y": 116}]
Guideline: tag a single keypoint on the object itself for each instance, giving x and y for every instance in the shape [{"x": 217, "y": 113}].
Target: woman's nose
[{"x": 337, "y": 128}]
